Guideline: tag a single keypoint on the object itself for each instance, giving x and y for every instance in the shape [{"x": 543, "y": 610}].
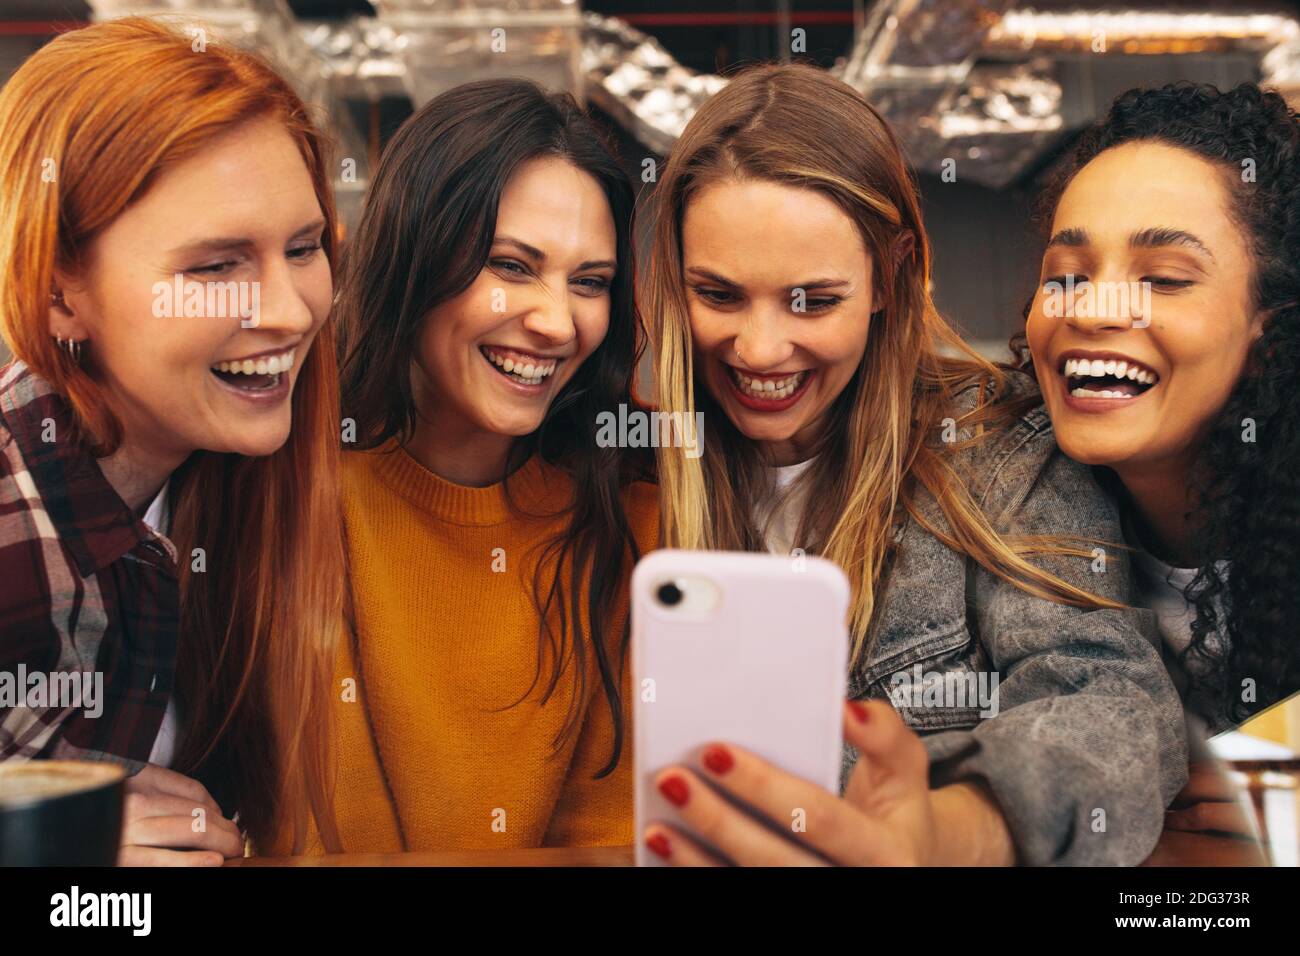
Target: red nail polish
[
  {"x": 859, "y": 710},
  {"x": 718, "y": 759},
  {"x": 675, "y": 789},
  {"x": 657, "y": 844}
]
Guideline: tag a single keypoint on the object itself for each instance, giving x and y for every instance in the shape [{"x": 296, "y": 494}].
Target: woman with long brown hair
[
  {"x": 789, "y": 301},
  {"x": 488, "y": 324},
  {"x": 166, "y": 248}
]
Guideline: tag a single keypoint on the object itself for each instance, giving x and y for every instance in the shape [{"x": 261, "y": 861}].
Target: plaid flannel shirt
[{"x": 86, "y": 587}]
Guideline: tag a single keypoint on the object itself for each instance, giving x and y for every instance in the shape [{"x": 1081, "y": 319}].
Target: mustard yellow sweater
[{"x": 448, "y": 636}]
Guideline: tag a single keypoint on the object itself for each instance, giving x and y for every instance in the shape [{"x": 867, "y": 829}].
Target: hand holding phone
[{"x": 746, "y": 648}]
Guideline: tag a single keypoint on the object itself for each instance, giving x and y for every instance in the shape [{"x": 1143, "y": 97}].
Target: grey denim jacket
[{"x": 1088, "y": 744}]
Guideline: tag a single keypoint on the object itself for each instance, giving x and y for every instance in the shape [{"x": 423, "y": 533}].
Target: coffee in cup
[{"x": 60, "y": 812}]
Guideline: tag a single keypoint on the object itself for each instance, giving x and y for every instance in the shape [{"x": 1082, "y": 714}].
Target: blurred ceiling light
[{"x": 982, "y": 79}]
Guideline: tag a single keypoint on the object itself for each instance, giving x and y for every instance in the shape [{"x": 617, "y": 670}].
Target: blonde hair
[
  {"x": 801, "y": 127},
  {"x": 112, "y": 105}
]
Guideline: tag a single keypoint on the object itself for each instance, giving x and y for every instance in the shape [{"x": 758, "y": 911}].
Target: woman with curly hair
[{"x": 1184, "y": 394}]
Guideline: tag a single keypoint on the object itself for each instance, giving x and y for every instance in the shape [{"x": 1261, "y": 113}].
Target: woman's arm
[
  {"x": 970, "y": 824},
  {"x": 593, "y": 811},
  {"x": 1088, "y": 746}
]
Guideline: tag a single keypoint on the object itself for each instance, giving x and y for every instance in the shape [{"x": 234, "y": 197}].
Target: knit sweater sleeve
[
  {"x": 598, "y": 812},
  {"x": 591, "y": 811}
]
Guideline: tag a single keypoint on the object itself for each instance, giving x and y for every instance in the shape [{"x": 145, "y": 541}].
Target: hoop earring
[{"x": 71, "y": 346}]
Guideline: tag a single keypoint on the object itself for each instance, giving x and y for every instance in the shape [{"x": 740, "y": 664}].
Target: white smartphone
[{"x": 750, "y": 649}]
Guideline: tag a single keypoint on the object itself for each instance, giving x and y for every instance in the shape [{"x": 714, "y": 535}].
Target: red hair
[{"x": 87, "y": 124}]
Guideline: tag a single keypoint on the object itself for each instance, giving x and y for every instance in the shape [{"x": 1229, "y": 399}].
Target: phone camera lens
[{"x": 670, "y": 595}]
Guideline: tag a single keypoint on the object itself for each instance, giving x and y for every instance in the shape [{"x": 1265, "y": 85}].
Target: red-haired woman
[{"x": 168, "y": 430}]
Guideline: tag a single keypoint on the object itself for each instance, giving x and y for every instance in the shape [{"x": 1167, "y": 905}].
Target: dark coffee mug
[{"x": 60, "y": 812}]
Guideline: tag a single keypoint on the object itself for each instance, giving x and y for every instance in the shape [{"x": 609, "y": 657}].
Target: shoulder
[
  {"x": 25, "y": 402},
  {"x": 1018, "y": 397},
  {"x": 10, "y": 457},
  {"x": 379, "y": 495},
  {"x": 1014, "y": 446},
  {"x": 641, "y": 501},
  {"x": 1016, "y": 464},
  {"x": 356, "y": 468},
  {"x": 18, "y": 491},
  {"x": 638, "y": 496},
  {"x": 32, "y": 560},
  {"x": 365, "y": 472}
]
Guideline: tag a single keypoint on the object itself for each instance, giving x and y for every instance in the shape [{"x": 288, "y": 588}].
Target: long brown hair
[
  {"x": 799, "y": 126},
  {"x": 111, "y": 105},
  {"x": 425, "y": 234}
]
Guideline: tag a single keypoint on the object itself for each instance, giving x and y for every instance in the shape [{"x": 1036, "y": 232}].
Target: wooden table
[
  {"x": 548, "y": 856},
  {"x": 1277, "y": 775},
  {"x": 1175, "y": 849},
  {"x": 1200, "y": 849}
]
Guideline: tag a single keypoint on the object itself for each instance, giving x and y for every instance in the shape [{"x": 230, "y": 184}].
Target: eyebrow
[
  {"x": 222, "y": 243},
  {"x": 1155, "y": 237},
  {"x": 1152, "y": 238},
  {"x": 532, "y": 252},
  {"x": 815, "y": 285},
  {"x": 1068, "y": 237}
]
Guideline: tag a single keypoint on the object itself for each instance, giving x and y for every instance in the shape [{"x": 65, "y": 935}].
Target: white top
[
  {"x": 164, "y": 745},
  {"x": 777, "y": 517},
  {"x": 1160, "y": 588},
  {"x": 155, "y": 516}
]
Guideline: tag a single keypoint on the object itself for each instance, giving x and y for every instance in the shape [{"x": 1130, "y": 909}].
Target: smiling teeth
[
  {"x": 527, "y": 372},
  {"x": 1093, "y": 393},
  {"x": 1098, "y": 368},
  {"x": 771, "y": 389},
  {"x": 263, "y": 365}
]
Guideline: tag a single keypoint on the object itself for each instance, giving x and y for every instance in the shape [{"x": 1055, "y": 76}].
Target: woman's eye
[
  {"x": 509, "y": 266},
  {"x": 1167, "y": 284},
  {"x": 715, "y": 296},
  {"x": 213, "y": 269},
  {"x": 593, "y": 285},
  {"x": 304, "y": 252},
  {"x": 822, "y": 303},
  {"x": 1069, "y": 278}
]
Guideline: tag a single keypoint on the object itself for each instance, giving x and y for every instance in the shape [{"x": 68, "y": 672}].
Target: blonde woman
[{"x": 788, "y": 295}]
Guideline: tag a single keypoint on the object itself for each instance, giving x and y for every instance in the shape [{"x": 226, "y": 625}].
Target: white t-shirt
[
  {"x": 1160, "y": 588},
  {"x": 164, "y": 745},
  {"x": 777, "y": 517}
]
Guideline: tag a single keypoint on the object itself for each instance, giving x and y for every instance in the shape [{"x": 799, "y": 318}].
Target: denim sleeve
[{"x": 1088, "y": 746}]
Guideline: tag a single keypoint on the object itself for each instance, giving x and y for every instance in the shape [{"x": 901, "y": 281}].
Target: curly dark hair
[{"x": 1247, "y": 493}]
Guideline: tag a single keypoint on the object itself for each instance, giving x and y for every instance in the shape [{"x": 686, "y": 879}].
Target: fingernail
[
  {"x": 859, "y": 710},
  {"x": 657, "y": 844},
  {"x": 675, "y": 789},
  {"x": 718, "y": 759}
]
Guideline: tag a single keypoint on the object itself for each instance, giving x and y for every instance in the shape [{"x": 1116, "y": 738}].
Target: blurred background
[{"x": 986, "y": 95}]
